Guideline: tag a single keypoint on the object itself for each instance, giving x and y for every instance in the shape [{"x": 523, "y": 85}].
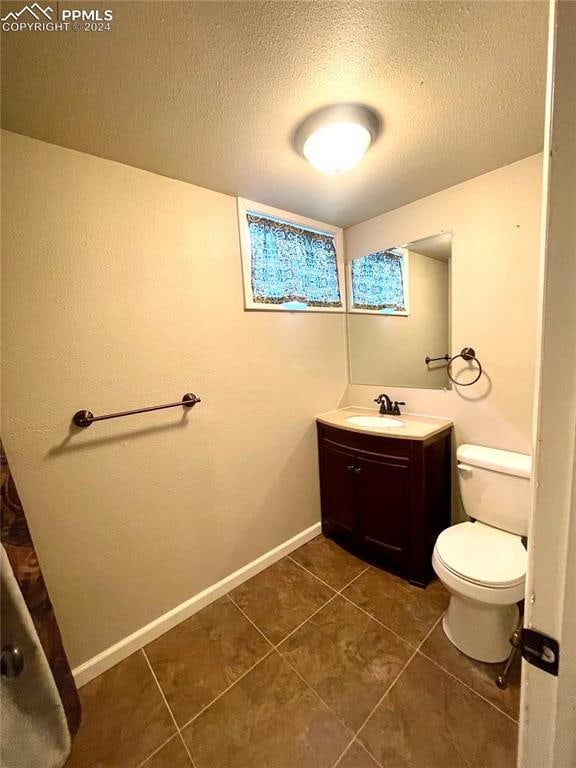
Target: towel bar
[{"x": 85, "y": 418}]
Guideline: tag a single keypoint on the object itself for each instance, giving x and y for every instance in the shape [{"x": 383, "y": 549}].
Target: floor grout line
[
  {"x": 152, "y": 754},
  {"x": 215, "y": 699},
  {"x": 360, "y": 746},
  {"x": 168, "y": 707},
  {"x": 316, "y": 694},
  {"x": 186, "y": 748},
  {"x": 339, "y": 591},
  {"x": 368, "y": 752},
  {"x": 375, "y": 707},
  {"x": 273, "y": 647},
  {"x": 334, "y": 596},
  {"x": 335, "y": 593},
  {"x": 164, "y": 699},
  {"x": 432, "y": 628},
  {"x": 178, "y": 730},
  {"x": 276, "y": 645},
  {"x": 386, "y": 692},
  {"x": 469, "y": 687},
  {"x": 371, "y": 616},
  {"x": 346, "y": 749},
  {"x": 303, "y": 567},
  {"x": 256, "y": 627}
]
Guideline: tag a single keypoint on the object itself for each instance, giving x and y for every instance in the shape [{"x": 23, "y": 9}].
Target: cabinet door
[
  {"x": 383, "y": 506},
  {"x": 337, "y": 486}
]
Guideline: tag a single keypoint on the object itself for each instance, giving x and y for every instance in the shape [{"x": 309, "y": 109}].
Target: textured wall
[
  {"x": 495, "y": 221},
  {"x": 123, "y": 289}
]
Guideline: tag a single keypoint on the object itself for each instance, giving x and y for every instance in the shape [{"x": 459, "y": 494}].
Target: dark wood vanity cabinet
[{"x": 386, "y": 498}]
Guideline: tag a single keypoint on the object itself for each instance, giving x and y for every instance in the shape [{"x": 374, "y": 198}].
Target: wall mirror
[{"x": 399, "y": 313}]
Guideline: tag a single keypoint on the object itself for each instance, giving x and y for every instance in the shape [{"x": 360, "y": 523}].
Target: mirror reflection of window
[
  {"x": 399, "y": 313},
  {"x": 379, "y": 282}
]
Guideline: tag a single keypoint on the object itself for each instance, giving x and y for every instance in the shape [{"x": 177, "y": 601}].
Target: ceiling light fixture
[{"x": 335, "y": 138}]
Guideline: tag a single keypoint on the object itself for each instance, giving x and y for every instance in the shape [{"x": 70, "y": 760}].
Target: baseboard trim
[{"x": 121, "y": 650}]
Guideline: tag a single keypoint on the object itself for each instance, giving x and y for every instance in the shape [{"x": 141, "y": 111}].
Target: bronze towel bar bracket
[
  {"x": 467, "y": 354},
  {"x": 85, "y": 418}
]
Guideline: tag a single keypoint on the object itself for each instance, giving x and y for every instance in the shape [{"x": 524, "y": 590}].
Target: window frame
[
  {"x": 384, "y": 312},
  {"x": 248, "y": 206}
]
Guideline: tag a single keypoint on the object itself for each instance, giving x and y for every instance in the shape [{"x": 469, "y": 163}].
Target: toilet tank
[{"x": 495, "y": 486}]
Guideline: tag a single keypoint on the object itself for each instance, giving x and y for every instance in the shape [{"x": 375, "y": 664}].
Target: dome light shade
[
  {"x": 335, "y": 138},
  {"x": 337, "y": 147}
]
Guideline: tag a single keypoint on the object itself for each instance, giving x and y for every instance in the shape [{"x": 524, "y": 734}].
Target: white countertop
[{"x": 414, "y": 426}]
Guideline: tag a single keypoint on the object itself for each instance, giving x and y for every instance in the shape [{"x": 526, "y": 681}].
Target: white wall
[
  {"x": 495, "y": 223},
  {"x": 389, "y": 349},
  {"x": 124, "y": 289}
]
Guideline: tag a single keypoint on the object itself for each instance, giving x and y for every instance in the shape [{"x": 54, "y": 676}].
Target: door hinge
[{"x": 540, "y": 650}]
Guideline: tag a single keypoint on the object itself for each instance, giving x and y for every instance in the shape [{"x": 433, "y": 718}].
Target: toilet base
[{"x": 480, "y": 631}]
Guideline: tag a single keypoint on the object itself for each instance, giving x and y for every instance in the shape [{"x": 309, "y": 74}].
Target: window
[
  {"x": 289, "y": 262},
  {"x": 378, "y": 283}
]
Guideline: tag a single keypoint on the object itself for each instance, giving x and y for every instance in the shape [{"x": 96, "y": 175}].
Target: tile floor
[{"x": 319, "y": 661}]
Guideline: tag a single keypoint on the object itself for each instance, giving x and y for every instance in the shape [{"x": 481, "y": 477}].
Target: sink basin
[
  {"x": 375, "y": 421},
  {"x": 405, "y": 426}
]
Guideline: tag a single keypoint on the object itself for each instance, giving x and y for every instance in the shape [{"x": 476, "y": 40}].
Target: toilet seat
[{"x": 483, "y": 555}]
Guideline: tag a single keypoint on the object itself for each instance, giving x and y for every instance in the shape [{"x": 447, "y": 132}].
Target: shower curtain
[{"x": 27, "y": 610}]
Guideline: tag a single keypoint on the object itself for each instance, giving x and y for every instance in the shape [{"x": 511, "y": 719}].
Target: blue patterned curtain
[
  {"x": 291, "y": 264},
  {"x": 378, "y": 281}
]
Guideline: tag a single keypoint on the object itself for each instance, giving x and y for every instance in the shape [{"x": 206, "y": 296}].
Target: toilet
[{"x": 482, "y": 563}]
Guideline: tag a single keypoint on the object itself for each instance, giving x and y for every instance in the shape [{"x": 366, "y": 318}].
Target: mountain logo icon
[{"x": 35, "y": 10}]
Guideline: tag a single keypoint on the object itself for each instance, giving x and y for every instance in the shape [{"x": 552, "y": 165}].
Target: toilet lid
[{"x": 483, "y": 554}]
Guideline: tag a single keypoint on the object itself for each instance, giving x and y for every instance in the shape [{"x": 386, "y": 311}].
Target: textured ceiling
[{"x": 210, "y": 93}]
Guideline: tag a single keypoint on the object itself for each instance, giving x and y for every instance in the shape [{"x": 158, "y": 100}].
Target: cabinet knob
[
  {"x": 357, "y": 470},
  {"x": 350, "y": 467}
]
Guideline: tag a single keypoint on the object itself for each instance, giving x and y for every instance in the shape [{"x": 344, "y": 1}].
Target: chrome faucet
[{"x": 387, "y": 406}]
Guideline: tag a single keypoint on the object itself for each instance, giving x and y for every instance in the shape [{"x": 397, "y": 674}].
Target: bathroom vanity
[{"x": 385, "y": 486}]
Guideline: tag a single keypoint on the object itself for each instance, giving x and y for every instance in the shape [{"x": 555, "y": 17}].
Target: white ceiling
[{"x": 210, "y": 93}]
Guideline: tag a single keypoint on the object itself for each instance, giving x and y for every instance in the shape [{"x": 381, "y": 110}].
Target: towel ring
[{"x": 466, "y": 354}]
